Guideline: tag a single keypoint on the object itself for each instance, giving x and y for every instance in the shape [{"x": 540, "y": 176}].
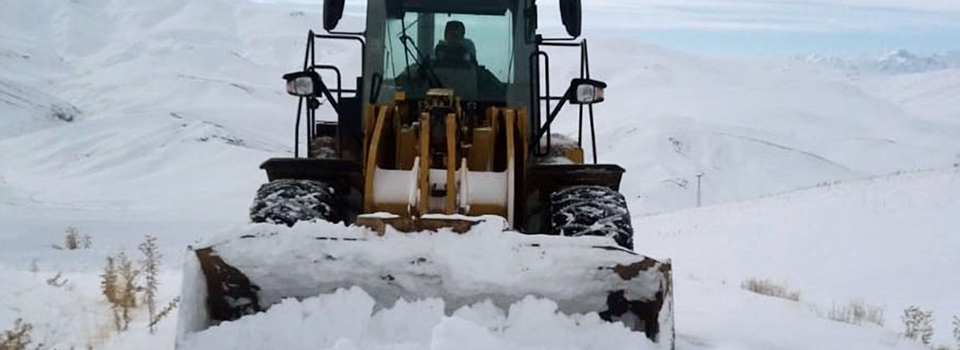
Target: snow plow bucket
[{"x": 245, "y": 273}]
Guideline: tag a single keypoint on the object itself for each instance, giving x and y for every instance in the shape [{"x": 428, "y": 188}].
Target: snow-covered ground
[
  {"x": 888, "y": 241},
  {"x": 131, "y": 117}
]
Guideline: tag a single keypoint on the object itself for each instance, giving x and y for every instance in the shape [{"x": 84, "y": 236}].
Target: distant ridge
[{"x": 898, "y": 61}]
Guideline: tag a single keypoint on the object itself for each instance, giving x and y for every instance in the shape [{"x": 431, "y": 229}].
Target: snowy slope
[
  {"x": 921, "y": 86},
  {"x": 929, "y": 95},
  {"x": 889, "y": 241},
  {"x": 179, "y": 92},
  {"x": 27, "y": 110},
  {"x": 196, "y": 87},
  {"x": 756, "y": 128}
]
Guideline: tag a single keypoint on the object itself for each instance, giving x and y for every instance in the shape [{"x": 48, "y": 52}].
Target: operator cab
[{"x": 469, "y": 53}]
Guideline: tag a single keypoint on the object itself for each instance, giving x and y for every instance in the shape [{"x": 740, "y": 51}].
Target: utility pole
[{"x": 699, "y": 176}]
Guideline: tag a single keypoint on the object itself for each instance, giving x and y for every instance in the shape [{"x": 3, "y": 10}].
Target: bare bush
[
  {"x": 150, "y": 264},
  {"x": 17, "y": 338},
  {"x": 164, "y": 313},
  {"x": 918, "y": 324},
  {"x": 857, "y": 312},
  {"x": 770, "y": 288},
  {"x": 956, "y": 330},
  {"x": 64, "y": 113},
  {"x": 108, "y": 281},
  {"x": 122, "y": 287},
  {"x": 128, "y": 293},
  {"x": 74, "y": 240},
  {"x": 55, "y": 281},
  {"x": 119, "y": 285}
]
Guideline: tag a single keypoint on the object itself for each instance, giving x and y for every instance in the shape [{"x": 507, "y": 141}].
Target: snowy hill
[
  {"x": 181, "y": 93},
  {"x": 196, "y": 87},
  {"x": 129, "y": 117},
  {"x": 930, "y": 96},
  {"x": 888, "y": 241},
  {"x": 754, "y": 129},
  {"x": 893, "y": 62}
]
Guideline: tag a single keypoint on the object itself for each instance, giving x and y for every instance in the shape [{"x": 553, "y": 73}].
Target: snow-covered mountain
[
  {"x": 757, "y": 128},
  {"x": 190, "y": 92},
  {"x": 126, "y": 117},
  {"x": 894, "y": 62}
]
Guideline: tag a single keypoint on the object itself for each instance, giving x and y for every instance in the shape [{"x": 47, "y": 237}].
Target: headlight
[
  {"x": 586, "y": 91},
  {"x": 589, "y": 94},
  {"x": 303, "y": 84}
]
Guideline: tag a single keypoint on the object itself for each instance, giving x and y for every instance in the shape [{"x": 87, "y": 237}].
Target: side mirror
[
  {"x": 571, "y": 14},
  {"x": 332, "y": 12},
  {"x": 586, "y": 91},
  {"x": 304, "y": 84}
]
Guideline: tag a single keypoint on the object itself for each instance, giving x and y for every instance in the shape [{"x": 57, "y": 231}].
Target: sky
[
  {"x": 767, "y": 27},
  {"x": 783, "y": 27}
]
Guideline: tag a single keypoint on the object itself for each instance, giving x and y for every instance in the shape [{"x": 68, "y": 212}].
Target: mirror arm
[
  {"x": 333, "y": 32},
  {"x": 326, "y": 93},
  {"x": 554, "y": 114}
]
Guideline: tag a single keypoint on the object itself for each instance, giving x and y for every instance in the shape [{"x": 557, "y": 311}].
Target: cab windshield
[{"x": 469, "y": 53}]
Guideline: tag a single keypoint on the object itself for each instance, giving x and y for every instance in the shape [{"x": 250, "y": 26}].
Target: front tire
[
  {"x": 591, "y": 211},
  {"x": 287, "y": 201}
]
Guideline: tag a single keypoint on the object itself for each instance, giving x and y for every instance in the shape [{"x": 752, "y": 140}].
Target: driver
[{"x": 455, "y": 48}]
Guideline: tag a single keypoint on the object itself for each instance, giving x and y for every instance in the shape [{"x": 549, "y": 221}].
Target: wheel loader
[{"x": 447, "y": 126}]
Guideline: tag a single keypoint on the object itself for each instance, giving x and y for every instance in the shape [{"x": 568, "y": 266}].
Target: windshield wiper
[{"x": 423, "y": 68}]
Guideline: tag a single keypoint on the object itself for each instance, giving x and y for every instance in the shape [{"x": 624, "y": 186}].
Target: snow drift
[{"x": 347, "y": 320}]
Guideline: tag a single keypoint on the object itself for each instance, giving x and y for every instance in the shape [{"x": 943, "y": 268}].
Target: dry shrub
[
  {"x": 150, "y": 265},
  {"x": 34, "y": 268},
  {"x": 17, "y": 338},
  {"x": 119, "y": 285},
  {"x": 55, "y": 281},
  {"x": 108, "y": 281},
  {"x": 770, "y": 288},
  {"x": 857, "y": 312},
  {"x": 74, "y": 240},
  {"x": 163, "y": 313},
  {"x": 122, "y": 287},
  {"x": 918, "y": 324},
  {"x": 956, "y": 330}
]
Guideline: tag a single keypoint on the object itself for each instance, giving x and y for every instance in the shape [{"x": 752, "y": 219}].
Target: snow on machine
[{"x": 443, "y": 178}]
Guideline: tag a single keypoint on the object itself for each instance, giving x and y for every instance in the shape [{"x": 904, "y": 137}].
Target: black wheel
[
  {"x": 591, "y": 211},
  {"x": 288, "y": 201}
]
